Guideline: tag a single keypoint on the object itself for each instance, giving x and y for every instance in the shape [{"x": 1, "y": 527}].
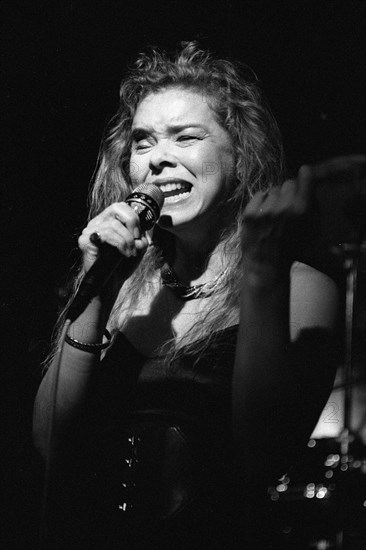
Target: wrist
[
  {"x": 90, "y": 347},
  {"x": 91, "y": 323}
]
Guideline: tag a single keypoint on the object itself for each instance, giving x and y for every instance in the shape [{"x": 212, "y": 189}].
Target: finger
[
  {"x": 127, "y": 217},
  {"x": 116, "y": 234},
  {"x": 141, "y": 244},
  {"x": 110, "y": 232},
  {"x": 93, "y": 244},
  {"x": 287, "y": 196},
  {"x": 271, "y": 201},
  {"x": 289, "y": 188},
  {"x": 256, "y": 202}
]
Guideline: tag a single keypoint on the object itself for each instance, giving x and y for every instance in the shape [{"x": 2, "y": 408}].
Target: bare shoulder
[{"x": 314, "y": 299}]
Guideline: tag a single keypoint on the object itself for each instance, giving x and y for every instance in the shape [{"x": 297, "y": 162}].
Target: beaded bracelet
[{"x": 91, "y": 348}]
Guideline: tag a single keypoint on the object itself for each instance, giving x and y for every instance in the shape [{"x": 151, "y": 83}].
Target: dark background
[{"x": 62, "y": 64}]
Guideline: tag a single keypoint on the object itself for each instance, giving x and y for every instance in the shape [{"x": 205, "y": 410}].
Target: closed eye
[
  {"x": 187, "y": 138},
  {"x": 141, "y": 145}
]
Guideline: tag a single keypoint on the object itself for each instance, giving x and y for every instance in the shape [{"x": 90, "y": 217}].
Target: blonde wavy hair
[{"x": 232, "y": 92}]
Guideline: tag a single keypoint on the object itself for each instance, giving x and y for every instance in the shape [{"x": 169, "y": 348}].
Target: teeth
[
  {"x": 176, "y": 198},
  {"x": 175, "y": 191},
  {"x": 171, "y": 187}
]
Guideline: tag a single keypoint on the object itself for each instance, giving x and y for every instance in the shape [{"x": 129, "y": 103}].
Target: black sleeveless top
[
  {"x": 157, "y": 464},
  {"x": 197, "y": 388},
  {"x": 161, "y": 417}
]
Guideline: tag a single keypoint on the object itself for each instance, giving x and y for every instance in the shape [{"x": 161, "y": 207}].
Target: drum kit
[{"x": 321, "y": 504}]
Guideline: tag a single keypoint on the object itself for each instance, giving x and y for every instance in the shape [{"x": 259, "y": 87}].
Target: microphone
[{"x": 147, "y": 201}]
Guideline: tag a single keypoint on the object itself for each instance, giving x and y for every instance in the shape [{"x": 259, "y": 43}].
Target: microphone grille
[{"x": 153, "y": 191}]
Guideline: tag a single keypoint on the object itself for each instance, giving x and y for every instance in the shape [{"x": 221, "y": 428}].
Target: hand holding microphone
[{"x": 114, "y": 239}]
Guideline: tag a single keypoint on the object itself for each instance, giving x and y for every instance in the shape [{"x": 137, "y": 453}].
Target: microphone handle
[
  {"x": 147, "y": 201},
  {"x": 98, "y": 277}
]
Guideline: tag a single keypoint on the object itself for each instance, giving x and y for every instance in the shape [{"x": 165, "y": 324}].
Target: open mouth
[{"x": 176, "y": 191}]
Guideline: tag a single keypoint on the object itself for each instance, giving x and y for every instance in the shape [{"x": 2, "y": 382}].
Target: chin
[{"x": 172, "y": 222}]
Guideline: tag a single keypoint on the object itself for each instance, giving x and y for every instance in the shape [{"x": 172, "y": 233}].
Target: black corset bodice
[
  {"x": 152, "y": 462},
  {"x": 196, "y": 388},
  {"x": 163, "y": 430}
]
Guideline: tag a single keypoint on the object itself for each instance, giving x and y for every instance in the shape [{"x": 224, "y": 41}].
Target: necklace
[{"x": 204, "y": 290}]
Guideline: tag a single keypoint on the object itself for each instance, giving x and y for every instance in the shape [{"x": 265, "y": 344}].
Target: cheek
[
  {"x": 217, "y": 165},
  {"x": 227, "y": 164},
  {"x": 136, "y": 168},
  {"x": 205, "y": 162}
]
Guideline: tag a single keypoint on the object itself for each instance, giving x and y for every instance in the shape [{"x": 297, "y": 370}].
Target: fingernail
[{"x": 136, "y": 233}]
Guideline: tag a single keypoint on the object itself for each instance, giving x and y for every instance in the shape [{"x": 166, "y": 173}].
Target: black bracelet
[{"x": 91, "y": 348}]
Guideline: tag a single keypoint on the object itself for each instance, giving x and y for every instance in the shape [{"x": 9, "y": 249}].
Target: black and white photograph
[{"x": 184, "y": 275}]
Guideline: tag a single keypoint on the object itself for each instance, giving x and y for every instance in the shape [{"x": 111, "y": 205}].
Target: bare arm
[
  {"x": 75, "y": 375},
  {"x": 118, "y": 226},
  {"x": 284, "y": 365}
]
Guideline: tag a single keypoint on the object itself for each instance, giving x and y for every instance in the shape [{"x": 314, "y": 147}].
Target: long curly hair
[{"x": 232, "y": 92}]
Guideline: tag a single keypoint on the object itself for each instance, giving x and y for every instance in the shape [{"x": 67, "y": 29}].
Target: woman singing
[{"x": 218, "y": 356}]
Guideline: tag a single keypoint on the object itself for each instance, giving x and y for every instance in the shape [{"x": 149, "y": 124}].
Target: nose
[{"x": 162, "y": 156}]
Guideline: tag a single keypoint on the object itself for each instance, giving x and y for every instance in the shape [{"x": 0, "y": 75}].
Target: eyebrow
[{"x": 140, "y": 131}]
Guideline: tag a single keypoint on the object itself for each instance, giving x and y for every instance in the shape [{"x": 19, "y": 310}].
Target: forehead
[{"x": 174, "y": 106}]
